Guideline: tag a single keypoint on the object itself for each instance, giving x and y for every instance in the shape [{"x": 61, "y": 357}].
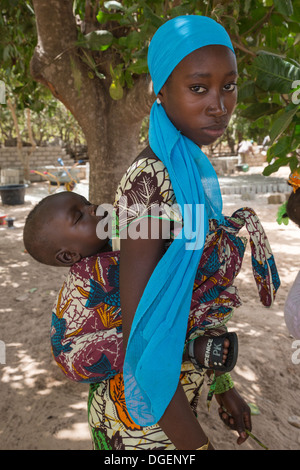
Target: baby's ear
[{"x": 67, "y": 258}]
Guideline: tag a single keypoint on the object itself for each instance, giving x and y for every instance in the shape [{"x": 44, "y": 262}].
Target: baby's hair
[
  {"x": 35, "y": 235},
  {"x": 293, "y": 207}
]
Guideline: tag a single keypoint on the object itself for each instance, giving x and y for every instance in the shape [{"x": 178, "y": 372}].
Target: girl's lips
[{"x": 214, "y": 131}]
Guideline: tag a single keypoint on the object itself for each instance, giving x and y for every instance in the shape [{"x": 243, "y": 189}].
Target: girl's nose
[{"x": 217, "y": 107}]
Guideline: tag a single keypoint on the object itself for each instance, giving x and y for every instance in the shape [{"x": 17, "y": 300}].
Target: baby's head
[{"x": 61, "y": 229}]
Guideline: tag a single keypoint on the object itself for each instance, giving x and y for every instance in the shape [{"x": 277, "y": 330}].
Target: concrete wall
[
  {"x": 12, "y": 170},
  {"x": 258, "y": 159}
]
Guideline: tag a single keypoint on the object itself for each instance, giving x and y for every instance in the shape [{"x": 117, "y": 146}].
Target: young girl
[
  {"x": 167, "y": 294},
  {"x": 193, "y": 69}
]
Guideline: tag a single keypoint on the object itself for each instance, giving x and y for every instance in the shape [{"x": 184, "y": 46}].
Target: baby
[{"x": 62, "y": 231}]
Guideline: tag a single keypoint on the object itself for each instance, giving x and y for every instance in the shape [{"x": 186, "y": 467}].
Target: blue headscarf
[{"x": 155, "y": 346}]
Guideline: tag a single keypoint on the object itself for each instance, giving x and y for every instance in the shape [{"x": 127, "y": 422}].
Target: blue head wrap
[
  {"x": 155, "y": 347},
  {"x": 176, "y": 39}
]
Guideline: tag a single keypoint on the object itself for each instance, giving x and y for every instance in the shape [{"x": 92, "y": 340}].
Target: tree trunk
[{"x": 111, "y": 128}]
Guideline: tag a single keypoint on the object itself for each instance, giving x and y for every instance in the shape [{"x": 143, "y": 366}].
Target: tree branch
[
  {"x": 259, "y": 24},
  {"x": 238, "y": 45}
]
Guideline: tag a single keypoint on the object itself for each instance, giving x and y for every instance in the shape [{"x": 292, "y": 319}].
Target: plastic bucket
[{"x": 13, "y": 194}]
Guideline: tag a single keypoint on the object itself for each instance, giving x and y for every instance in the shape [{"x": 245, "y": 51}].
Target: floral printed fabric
[
  {"x": 111, "y": 426},
  {"x": 86, "y": 332},
  {"x": 144, "y": 191}
]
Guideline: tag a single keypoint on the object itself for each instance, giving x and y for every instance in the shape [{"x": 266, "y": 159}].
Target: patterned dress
[{"x": 86, "y": 334}]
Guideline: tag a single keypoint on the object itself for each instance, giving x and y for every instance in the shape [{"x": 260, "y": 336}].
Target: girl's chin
[{"x": 209, "y": 136}]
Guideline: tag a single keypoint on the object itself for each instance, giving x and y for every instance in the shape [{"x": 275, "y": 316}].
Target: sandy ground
[{"x": 40, "y": 409}]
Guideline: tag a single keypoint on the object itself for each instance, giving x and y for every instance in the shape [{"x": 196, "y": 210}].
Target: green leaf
[
  {"x": 128, "y": 79},
  {"x": 133, "y": 40},
  {"x": 117, "y": 72},
  {"x": 295, "y": 142},
  {"x": 282, "y": 123},
  {"x": 97, "y": 40},
  {"x": 138, "y": 67},
  {"x": 254, "y": 409},
  {"x": 293, "y": 163},
  {"x": 257, "y": 110},
  {"x": 273, "y": 167},
  {"x": 282, "y": 217},
  {"x": 33, "y": 289},
  {"x": 246, "y": 92},
  {"x": 104, "y": 17},
  {"x": 280, "y": 149},
  {"x": 285, "y": 7},
  {"x": 155, "y": 20},
  {"x": 274, "y": 73}
]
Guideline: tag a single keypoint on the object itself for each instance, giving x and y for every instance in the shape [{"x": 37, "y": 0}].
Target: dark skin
[
  {"x": 71, "y": 222},
  {"x": 199, "y": 99}
]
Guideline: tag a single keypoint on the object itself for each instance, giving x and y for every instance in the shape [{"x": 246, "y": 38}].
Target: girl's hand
[{"x": 235, "y": 413}]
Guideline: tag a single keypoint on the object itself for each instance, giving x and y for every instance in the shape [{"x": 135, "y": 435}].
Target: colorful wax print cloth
[
  {"x": 145, "y": 191},
  {"x": 111, "y": 425},
  {"x": 86, "y": 332}
]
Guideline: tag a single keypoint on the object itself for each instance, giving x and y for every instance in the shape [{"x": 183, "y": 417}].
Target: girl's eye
[
  {"x": 198, "y": 89},
  {"x": 230, "y": 86}
]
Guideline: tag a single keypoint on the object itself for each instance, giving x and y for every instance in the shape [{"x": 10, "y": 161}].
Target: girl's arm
[{"x": 137, "y": 261}]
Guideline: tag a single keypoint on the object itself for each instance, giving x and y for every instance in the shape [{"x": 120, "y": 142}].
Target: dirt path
[{"x": 39, "y": 409}]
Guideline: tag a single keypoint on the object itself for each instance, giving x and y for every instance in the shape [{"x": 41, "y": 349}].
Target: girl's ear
[
  {"x": 161, "y": 94},
  {"x": 67, "y": 258}
]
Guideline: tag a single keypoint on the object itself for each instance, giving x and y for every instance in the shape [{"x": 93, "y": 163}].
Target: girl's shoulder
[
  {"x": 146, "y": 162},
  {"x": 145, "y": 179}
]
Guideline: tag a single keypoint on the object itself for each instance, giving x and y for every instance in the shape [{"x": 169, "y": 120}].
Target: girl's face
[{"x": 200, "y": 95}]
